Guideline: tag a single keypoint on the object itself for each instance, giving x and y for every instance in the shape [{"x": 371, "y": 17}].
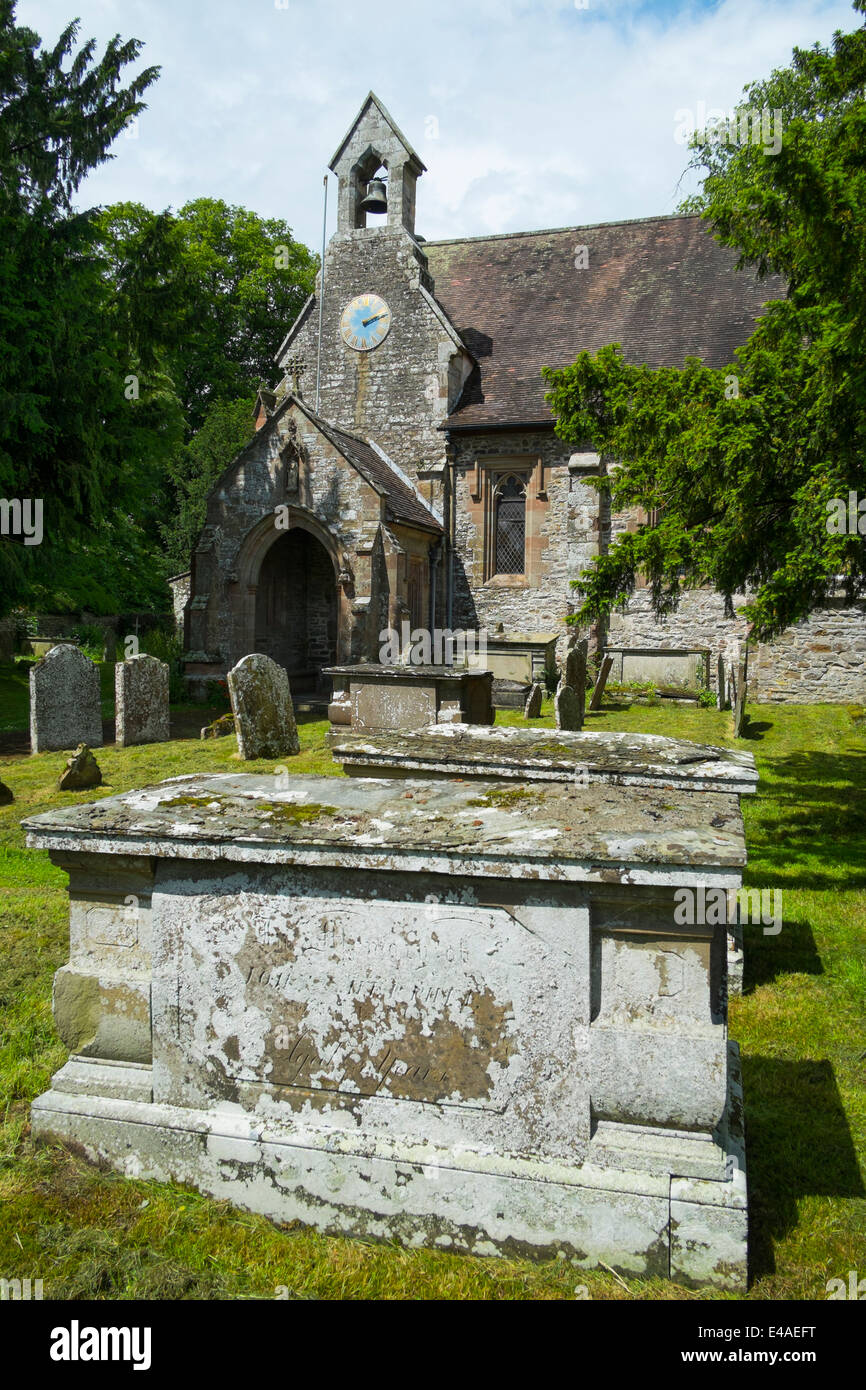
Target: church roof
[
  {"x": 661, "y": 286},
  {"x": 402, "y": 502}
]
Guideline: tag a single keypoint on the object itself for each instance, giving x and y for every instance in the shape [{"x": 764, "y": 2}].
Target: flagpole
[{"x": 321, "y": 294}]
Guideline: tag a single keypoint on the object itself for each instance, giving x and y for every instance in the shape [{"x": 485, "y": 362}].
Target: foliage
[
  {"x": 227, "y": 427},
  {"x": 122, "y": 332},
  {"x": 741, "y": 462},
  {"x": 72, "y": 433},
  {"x": 168, "y": 647}
]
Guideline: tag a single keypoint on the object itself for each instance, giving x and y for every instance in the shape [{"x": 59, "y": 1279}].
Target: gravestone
[
  {"x": 457, "y": 1016},
  {"x": 740, "y": 718},
  {"x": 721, "y": 684},
  {"x": 575, "y": 672},
  {"x": 141, "y": 685},
  {"x": 566, "y": 707},
  {"x": 6, "y": 797},
  {"x": 262, "y": 708},
  {"x": 81, "y": 771},
  {"x": 532, "y": 708},
  {"x": 64, "y": 701},
  {"x": 600, "y": 684}
]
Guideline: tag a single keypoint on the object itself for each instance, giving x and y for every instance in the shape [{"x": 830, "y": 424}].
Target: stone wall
[
  {"x": 562, "y": 533},
  {"x": 398, "y": 394},
  {"x": 343, "y": 515},
  {"x": 822, "y": 659}
]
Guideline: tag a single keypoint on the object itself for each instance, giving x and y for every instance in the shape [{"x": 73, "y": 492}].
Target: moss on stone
[
  {"x": 503, "y": 797},
  {"x": 296, "y": 813},
  {"x": 190, "y": 801}
]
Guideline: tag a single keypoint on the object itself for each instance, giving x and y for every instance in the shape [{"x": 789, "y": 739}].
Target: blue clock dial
[{"x": 365, "y": 322}]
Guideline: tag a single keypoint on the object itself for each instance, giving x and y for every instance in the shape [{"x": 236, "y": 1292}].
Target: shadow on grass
[
  {"x": 814, "y": 809},
  {"x": 755, "y": 729},
  {"x": 798, "y": 1144},
  {"x": 766, "y": 958}
]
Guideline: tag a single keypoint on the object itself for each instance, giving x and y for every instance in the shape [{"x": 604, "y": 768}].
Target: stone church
[{"x": 406, "y": 467}]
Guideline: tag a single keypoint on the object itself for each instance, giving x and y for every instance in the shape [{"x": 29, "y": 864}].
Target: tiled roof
[
  {"x": 402, "y": 503},
  {"x": 662, "y": 287}
]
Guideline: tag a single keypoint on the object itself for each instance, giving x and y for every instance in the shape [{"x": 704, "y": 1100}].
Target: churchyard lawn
[{"x": 801, "y": 1025}]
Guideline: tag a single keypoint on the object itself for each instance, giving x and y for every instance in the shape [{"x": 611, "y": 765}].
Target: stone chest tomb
[{"x": 450, "y": 1013}]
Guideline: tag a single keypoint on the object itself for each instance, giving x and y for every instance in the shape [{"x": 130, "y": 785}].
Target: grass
[{"x": 92, "y": 1234}]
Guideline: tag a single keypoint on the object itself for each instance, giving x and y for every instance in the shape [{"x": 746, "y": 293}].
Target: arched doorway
[{"x": 296, "y": 609}]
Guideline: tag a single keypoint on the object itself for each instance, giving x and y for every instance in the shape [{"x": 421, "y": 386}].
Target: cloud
[{"x": 548, "y": 114}]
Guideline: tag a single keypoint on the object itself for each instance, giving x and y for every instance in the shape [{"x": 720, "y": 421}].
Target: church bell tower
[{"x": 374, "y": 142}]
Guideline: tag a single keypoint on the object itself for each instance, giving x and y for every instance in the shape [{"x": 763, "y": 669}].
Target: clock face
[{"x": 365, "y": 322}]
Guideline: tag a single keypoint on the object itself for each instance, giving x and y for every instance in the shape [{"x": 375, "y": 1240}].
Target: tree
[
  {"x": 222, "y": 286},
  {"x": 231, "y": 284},
  {"x": 85, "y": 419},
  {"x": 746, "y": 465},
  {"x": 228, "y": 426}
]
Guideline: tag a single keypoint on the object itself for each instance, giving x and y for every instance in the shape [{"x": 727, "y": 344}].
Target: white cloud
[{"x": 548, "y": 115}]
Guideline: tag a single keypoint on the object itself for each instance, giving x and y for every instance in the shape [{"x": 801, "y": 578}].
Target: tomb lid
[
  {"x": 551, "y": 755},
  {"x": 523, "y": 638},
  {"x": 550, "y": 830},
  {"x": 375, "y": 669}
]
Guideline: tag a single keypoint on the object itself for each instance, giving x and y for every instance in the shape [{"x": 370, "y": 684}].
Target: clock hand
[{"x": 383, "y": 315}]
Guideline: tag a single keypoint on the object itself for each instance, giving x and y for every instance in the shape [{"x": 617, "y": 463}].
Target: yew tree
[{"x": 749, "y": 467}]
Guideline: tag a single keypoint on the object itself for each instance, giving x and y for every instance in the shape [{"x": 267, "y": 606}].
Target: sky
[{"x": 527, "y": 113}]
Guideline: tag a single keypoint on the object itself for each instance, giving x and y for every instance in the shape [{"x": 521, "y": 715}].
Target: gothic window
[{"x": 510, "y": 525}]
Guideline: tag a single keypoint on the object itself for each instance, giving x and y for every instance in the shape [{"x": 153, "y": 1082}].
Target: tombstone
[
  {"x": 740, "y": 718},
  {"x": 566, "y": 707},
  {"x": 575, "y": 672},
  {"x": 721, "y": 684},
  {"x": 141, "y": 685},
  {"x": 532, "y": 708},
  {"x": 262, "y": 708},
  {"x": 600, "y": 684},
  {"x": 82, "y": 771},
  {"x": 456, "y": 1014},
  {"x": 64, "y": 701},
  {"x": 109, "y": 645},
  {"x": 6, "y": 797}
]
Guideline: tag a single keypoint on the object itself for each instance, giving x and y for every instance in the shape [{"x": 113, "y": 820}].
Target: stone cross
[{"x": 296, "y": 367}]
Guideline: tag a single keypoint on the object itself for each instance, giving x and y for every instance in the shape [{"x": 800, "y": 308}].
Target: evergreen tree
[{"x": 747, "y": 465}]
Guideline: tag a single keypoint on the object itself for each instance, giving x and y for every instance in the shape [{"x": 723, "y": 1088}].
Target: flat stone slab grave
[
  {"x": 373, "y": 696},
  {"x": 545, "y": 755},
  {"x": 458, "y": 1014},
  {"x": 555, "y": 755}
]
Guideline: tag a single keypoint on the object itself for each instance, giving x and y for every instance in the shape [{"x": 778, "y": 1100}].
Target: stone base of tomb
[{"x": 645, "y": 1202}]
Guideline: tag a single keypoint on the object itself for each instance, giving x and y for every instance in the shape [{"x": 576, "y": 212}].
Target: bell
[{"x": 376, "y": 199}]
